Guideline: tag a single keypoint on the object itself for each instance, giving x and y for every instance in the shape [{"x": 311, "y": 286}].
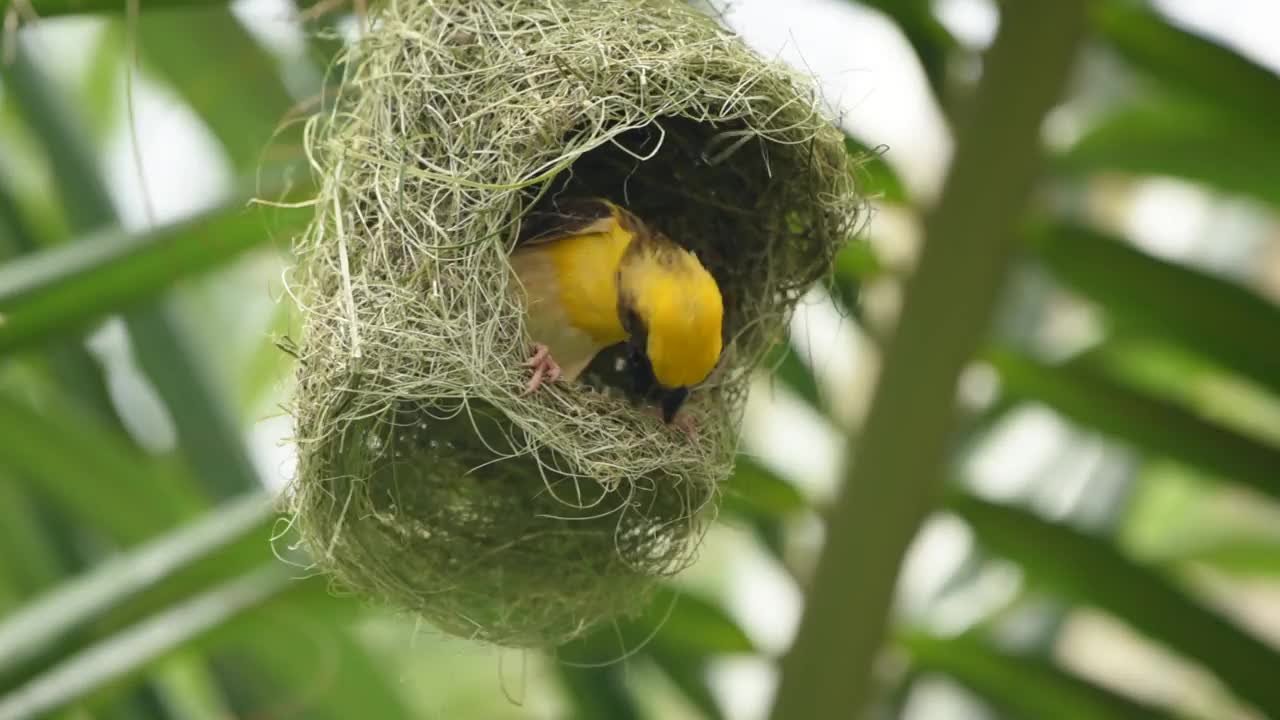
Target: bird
[{"x": 595, "y": 275}]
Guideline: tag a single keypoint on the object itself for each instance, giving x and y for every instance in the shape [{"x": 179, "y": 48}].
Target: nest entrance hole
[{"x": 714, "y": 188}]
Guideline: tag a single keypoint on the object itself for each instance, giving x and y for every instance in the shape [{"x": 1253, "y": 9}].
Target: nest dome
[{"x": 426, "y": 477}]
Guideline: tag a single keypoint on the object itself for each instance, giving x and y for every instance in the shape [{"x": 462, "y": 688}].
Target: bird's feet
[
  {"x": 683, "y": 422},
  {"x": 545, "y": 369}
]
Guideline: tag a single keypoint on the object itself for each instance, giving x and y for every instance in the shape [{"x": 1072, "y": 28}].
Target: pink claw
[
  {"x": 685, "y": 424},
  {"x": 682, "y": 422},
  {"x": 545, "y": 369}
]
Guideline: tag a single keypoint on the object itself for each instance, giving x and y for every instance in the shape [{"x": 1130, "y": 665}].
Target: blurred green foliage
[{"x": 145, "y": 575}]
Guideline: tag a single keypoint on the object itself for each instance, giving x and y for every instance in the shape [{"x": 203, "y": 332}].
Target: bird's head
[{"x": 672, "y": 311}]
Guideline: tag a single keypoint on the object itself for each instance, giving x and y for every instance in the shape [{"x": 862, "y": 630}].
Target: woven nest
[{"x": 426, "y": 477}]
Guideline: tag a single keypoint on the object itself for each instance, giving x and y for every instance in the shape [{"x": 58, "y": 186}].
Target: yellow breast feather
[{"x": 587, "y": 268}]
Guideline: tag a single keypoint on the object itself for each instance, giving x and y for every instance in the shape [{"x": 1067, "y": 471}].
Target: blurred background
[{"x": 1109, "y": 545}]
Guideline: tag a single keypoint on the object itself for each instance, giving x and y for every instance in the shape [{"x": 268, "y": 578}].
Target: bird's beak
[{"x": 671, "y": 401}]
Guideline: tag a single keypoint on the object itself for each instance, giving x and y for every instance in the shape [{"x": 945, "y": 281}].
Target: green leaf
[
  {"x": 16, "y": 235},
  {"x": 225, "y": 76},
  {"x": 1183, "y": 60},
  {"x": 103, "y": 483},
  {"x": 27, "y": 564},
  {"x": 689, "y": 675},
  {"x": 692, "y": 631},
  {"x": 856, "y": 265},
  {"x": 102, "y": 86},
  {"x": 103, "y": 606},
  {"x": 681, "y": 632},
  {"x": 692, "y": 625},
  {"x": 202, "y": 424},
  {"x": 1246, "y": 557},
  {"x": 71, "y": 286},
  {"x": 68, "y": 360},
  {"x": 755, "y": 490},
  {"x": 317, "y": 671},
  {"x": 89, "y": 206},
  {"x": 795, "y": 374},
  {"x": 1191, "y": 141},
  {"x": 1221, "y": 131},
  {"x": 1090, "y": 571},
  {"x": 52, "y": 8},
  {"x": 188, "y": 688},
  {"x": 207, "y": 428},
  {"x": 1147, "y": 422},
  {"x": 598, "y": 692},
  {"x": 1182, "y": 374},
  {"x": 678, "y": 620},
  {"x": 129, "y": 652},
  {"x": 763, "y": 500},
  {"x": 51, "y": 620},
  {"x": 878, "y": 178},
  {"x": 1211, "y": 316},
  {"x": 51, "y": 121},
  {"x": 1024, "y": 685}
]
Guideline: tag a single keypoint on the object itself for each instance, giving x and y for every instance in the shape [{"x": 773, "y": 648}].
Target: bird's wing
[
  {"x": 572, "y": 217},
  {"x": 547, "y": 319}
]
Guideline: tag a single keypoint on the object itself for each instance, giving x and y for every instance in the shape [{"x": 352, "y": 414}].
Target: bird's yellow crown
[{"x": 679, "y": 304}]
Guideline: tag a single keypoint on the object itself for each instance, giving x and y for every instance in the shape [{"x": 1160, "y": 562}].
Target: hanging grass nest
[{"x": 426, "y": 478}]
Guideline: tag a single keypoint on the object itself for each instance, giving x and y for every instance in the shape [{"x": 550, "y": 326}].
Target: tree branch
[{"x": 894, "y": 477}]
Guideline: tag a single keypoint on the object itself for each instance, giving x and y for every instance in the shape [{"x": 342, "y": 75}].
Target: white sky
[{"x": 867, "y": 72}]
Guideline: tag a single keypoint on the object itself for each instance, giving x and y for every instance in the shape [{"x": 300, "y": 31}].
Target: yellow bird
[{"x": 594, "y": 275}]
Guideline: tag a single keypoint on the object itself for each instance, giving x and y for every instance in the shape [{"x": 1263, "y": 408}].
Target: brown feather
[{"x": 567, "y": 218}]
